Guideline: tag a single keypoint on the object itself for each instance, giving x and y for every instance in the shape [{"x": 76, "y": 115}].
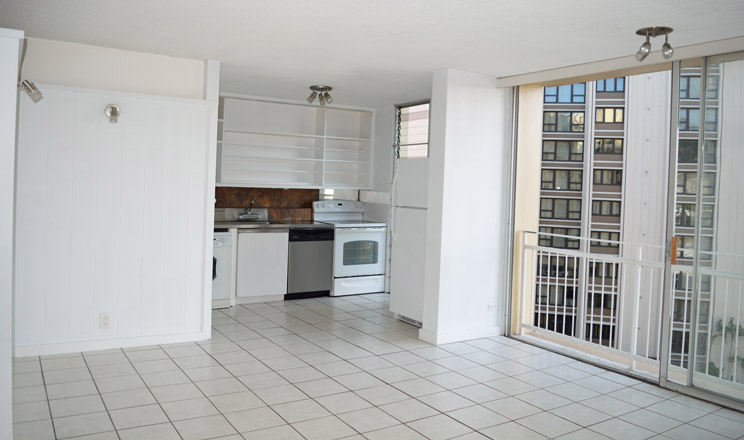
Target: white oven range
[{"x": 359, "y": 247}]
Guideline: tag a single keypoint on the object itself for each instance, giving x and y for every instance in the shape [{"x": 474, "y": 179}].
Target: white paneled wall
[{"x": 110, "y": 218}]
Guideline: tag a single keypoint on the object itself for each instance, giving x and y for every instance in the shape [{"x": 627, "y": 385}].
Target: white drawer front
[{"x": 356, "y": 285}]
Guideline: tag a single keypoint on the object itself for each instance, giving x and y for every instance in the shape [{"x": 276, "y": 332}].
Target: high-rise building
[{"x": 603, "y": 181}]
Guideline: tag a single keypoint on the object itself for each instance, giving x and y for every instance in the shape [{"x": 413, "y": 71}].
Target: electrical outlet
[
  {"x": 104, "y": 321},
  {"x": 492, "y": 307}
]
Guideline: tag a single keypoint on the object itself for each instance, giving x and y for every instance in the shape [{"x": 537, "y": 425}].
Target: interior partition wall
[{"x": 663, "y": 285}]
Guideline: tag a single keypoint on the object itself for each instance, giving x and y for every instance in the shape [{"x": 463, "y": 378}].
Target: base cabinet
[{"x": 262, "y": 265}]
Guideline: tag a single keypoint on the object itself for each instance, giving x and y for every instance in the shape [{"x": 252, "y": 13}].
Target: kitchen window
[
  {"x": 570, "y": 93},
  {"x": 563, "y": 122},
  {"x": 606, "y": 207},
  {"x": 608, "y": 177},
  {"x": 560, "y": 209},
  {"x": 566, "y": 151},
  {"x": 608, "y": 146},
  {"x": 611, "y": 239},
  {"x": 563, "y": 180},
  {"x": 610, "y": 115},
  {"x": 611, "y": 85},
  {"x": 559, "y": 242},
  {"x": 412, "y": 128}
]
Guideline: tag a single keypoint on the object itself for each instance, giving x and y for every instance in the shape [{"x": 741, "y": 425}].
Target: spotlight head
[
  {"x": 312, "y": 97},
  {"x": 31, "y": 90},
  {"x": 112, "y": 113},
  {"x": 321, "y": 99},
  {"x": 328, "y": 97},
  {"x": 666, "y": 49},
  {"x": 643, "y": 51}
]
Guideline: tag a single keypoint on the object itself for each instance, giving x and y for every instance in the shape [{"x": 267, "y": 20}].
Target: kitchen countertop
[{"x": 298, "y": 224}]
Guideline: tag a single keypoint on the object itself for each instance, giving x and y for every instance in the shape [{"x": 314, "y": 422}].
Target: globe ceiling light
[
  {"x": 654, "y": 31},
  {"x": 320, "y": 92}
]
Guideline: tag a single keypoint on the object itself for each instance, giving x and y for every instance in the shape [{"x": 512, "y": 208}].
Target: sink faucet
[
  {"x": 248, "y": 215},
  {"x": 250, "y": 207}
]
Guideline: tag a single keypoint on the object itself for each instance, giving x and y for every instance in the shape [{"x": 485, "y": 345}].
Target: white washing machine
[{"x": 222, "y": 270}]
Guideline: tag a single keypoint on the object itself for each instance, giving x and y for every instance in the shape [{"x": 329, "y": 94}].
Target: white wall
[
  {"x": 111, "y": 218},
  {"x": 466, "y": 248},
  {"x": 9, "y": 52},
  {"x": 93, "y": 67}
]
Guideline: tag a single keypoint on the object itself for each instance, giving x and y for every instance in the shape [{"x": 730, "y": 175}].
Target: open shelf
[{"x": 293, "y": 145}]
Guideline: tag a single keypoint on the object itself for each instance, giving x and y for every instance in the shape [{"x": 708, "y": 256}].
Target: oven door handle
[{"x": 352, "y": 230}]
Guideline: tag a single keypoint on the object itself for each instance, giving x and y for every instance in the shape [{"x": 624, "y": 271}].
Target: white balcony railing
[{"x": 606, "y": 304}]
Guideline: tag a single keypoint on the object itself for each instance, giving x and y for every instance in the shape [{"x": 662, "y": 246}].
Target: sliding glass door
[{"x": 705, "y": 289}]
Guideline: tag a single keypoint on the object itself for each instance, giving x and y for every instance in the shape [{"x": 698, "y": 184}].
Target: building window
[
  {"x": 686, "y": 247},
  {"x": 600, "y": 269},
  {"x": 558, "y": 266},
  {"x": 688, "y": 151},
  {"x": 570, "y": 93},
  {"x": 559, "y": 242},
  {"x": 711, "y": 89},
  {"x": 567, "y": 151},
  {"x": 608, "y": 146},
  {"x": 689, "y": 119},
  {"x": 412, "y": 140},
  {"x": 606, "y": 207},
  {"x": 611, "y": 85},
  {"x": 561, "y": 209},
  {"x": 608, "y": 115},
  {"x": 563, "y": 122},
  {"x": 608, "y": 177},
  {"x": 685, "y": 215},
  {"x": 555, "y": 295},
  {"x": 565, "y": 180},
  {"x": 689, "y": 87},
  {"x": 610, "y": 239},
  {"x": 687, "y": 183}
]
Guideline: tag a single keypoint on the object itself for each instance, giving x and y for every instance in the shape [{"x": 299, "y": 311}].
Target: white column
[
  {"x": 9, "y": 52},
  {"x": 469, "y": 142}
]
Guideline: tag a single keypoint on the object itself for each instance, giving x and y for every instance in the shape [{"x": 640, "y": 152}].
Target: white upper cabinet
[{"x": 272, "y": 144}]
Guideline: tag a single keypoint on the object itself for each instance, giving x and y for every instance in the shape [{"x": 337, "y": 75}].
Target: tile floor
[{"x": 331, "y": 368}]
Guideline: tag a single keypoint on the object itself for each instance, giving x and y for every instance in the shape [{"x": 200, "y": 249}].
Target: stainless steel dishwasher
[{"x": 310, "y": 271}]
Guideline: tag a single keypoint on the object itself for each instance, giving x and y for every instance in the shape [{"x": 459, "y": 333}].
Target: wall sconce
[
  {"x": 112, "y": 113},
  {"x": 654, "y": 31},
  {"x": 320, "y": 92}
]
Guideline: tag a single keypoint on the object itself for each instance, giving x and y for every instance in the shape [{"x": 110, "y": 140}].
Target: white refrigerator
[{"x": 408, "y": 237}]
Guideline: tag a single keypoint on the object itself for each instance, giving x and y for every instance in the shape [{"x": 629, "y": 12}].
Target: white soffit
[{"x": 372, "y": 52}]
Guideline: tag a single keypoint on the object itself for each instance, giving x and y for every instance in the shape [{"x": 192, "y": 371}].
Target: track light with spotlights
[
  {"x": 320, "y": 92},
  {"x": 654, "y": 31}
]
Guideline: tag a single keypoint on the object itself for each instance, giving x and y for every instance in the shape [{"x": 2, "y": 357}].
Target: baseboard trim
[
  {"x": 438, "y": 338},
  {"x": 106, "y": 344}
]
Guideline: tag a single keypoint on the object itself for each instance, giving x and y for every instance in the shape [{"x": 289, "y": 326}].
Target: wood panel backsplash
[{"x": 283, "y": 204}]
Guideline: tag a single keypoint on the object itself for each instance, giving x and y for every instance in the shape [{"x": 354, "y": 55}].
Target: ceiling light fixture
[
  {"x": 654, "y": 31},
  {"x": 320, "y": 92}
]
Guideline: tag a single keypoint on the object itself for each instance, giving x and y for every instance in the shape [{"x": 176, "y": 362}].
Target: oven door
[{"x": 359, "y": 251}]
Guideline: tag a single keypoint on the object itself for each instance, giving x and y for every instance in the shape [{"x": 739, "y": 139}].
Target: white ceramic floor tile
[
  {"x": 477, "y": 417},
  {"x": 621, "y": 430},
  {"x": 76, "y": 405},
  {"x": 138, "y": 416},
  {"x": 253, "y": 419},
  {"x": 163, "y": 431},
  {"x": 300, "y": 410},
  {"x": 650, "y": 420},
  {"x": 189, "y": 409},
  {"x": 439, "y": 427},
  {"x": 326, "y": 428},
  {"x": 75, "y": 426},
  {"x": 342, "y": 402},
  {"x": 38, "y": 430},
  {"x": 284, "y": 432},
  {"x": 240, "y": 401},
  {"x": 370, "y": 419},
  {"x": 204, "y": 428},
  {"x": 511, "y": 430},
  {"x": 548, "y": 424}
]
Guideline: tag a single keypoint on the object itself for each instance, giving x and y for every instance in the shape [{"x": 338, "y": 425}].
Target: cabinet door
[{"x": 262, "y": 263}]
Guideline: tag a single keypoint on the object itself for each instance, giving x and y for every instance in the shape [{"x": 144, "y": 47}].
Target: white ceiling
[{"x": 373, "y": 52}]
